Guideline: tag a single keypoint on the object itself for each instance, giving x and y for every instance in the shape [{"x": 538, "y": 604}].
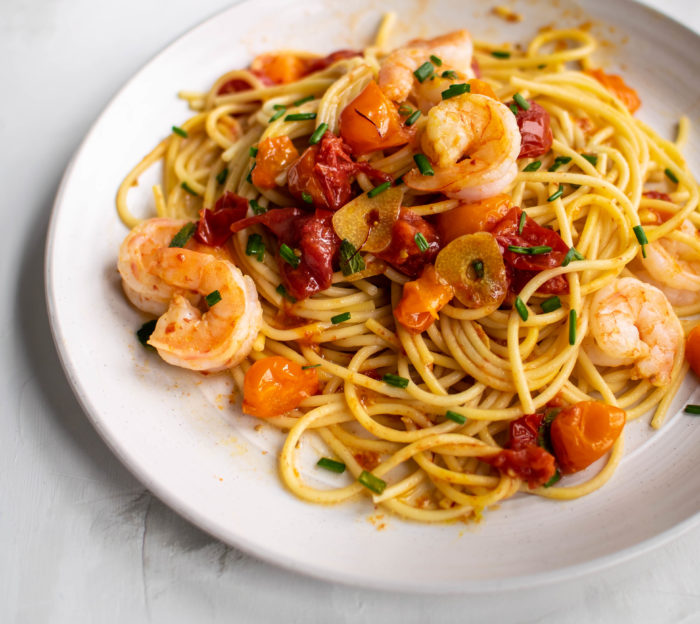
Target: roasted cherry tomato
[
  {"x": 584, "y": 432},
  {"x": 619, "y": 88},
  {"x": 692, "y": 349},
  {"x": 535, "y": 131},
  {"x": 403, "y": 253},
  {"x": 479, "y": 216},
  {"x": 281, "y": 68},
  {"x": 422, "y": 299},
  {"x": 530, "y": 463},
  {"x": 214, "y": 226},
  {"x": 275, "y": 385},
  {"x": 371, "y": 122},
  {"x": 275, "y": 154}
]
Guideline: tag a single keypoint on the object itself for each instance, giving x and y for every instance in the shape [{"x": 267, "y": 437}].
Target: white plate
[{"x": 204, "y": 459}]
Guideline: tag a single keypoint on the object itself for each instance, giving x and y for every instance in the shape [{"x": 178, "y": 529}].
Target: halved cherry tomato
[
  {"x": 422, "y": 299},
  {"x": 371, "y": 122},
  {"x": 275, "y": 385},
  {"x": 530, "y": 463},
  {"x": 692, "y": 349},
  {"x": 281, "y": 68},
  {"x": 618, "y": 87},
  {"x": 584, "y": 432},
  {"x": 275, "y": 154},
  {"x": 479, "y": 216}
]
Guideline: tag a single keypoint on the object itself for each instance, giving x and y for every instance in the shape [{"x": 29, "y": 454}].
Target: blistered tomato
[
  {"x": 275, "y": 385},
  {"x": 275, "y": 154},
  {"x": 619, "y": 88},
  {"x": 584, "y": 432},
  {"x": 280, "y": 68},
  {"x": 692, "y": 349},
  {"x": 479, "y": 216},
  {"x": 422, "y": 299}
]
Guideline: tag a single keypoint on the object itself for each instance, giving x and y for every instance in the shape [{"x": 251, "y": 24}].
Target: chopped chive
[
  {"x": 572, "y": 327},
  {"x": 300, "y": 116},
  {"x": 379, "y": 189},
  {"x": 689, "y": 409},
  {"x": 572, "y": 254},
  {"x": 521, "y": 101},
  {"x": 372, "y": 483},
  {"x": 424, "y": 71},
  {"x": 557, "y": 194},
  {"x": 553, "y": 480},
  {"x": 544, "y": 437},
  {"x": 533, "y": 166},
  {"x": 641, "y": 238},
  {"x": 521, "y": 308},
  {"x": 559, "y": 161},
  {"x": 501, "y": 54},
  {"x": 436, "y": 60},
  {"x": 551, "y": 304},
  {"x": 213, "y": 298},
  {"x": 318, "y": 133},
  {"x": 308, "y": 366},
  {"x": 541, "y": 66},
  {"x": 478, "y": 267},
  {"x": 521, "y": 222},
  {"x": 458, "y": 418},
  {"x": 306, "y": 196},
  {"x": 350, "y": 259},
  {"x": 287, "y": 254},
  {"x": 449, "y": 74},
  {"x": 253, "y": 151},
  {"x": 331, "y": 464},
  {"x": 303, "y": 100},
  {"x": 222, "y": 175},
  {"x": 281, "y": 290},
  {"x": 530, "y": 251},
  {"x": 256, "y": 207},
  {"x": 145, "y": 331},
  {"x": 189, "y": 189},
  {"x": 178, "y": 130},
  {"x": 671, "y": 176},
  {"x": 279, "y": 106},
  {"x": 340, "y": 318},
  {"x": 413, "y": 118},
  {"x": 514, "y": 109},
  {"x": 591, "y": 158},
  {"x": 255, "y": 247},
  {"x": 423, "y": 164},
  {"x": 184, "y": 234},
  {"x": 405, "y": 110},
  {"x": 456, "y": 89},
  {"x": 249, "y": 177},
  {"x": 421, "y": 242},
  {"x": 277, "y": 115},
  {"x": 395, "y": 380}
]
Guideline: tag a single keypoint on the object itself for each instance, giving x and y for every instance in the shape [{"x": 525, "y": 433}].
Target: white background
[{"x": 80, "y": 538}]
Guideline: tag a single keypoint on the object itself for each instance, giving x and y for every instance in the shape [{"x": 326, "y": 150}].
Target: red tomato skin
[
  {"x": 422, "y": 300},
  {"x": 214, "y": 226},
  {"x": 535, "y": 130},
  {"x": 403, "y": 253},
  {"x": 692, "y": 349}
]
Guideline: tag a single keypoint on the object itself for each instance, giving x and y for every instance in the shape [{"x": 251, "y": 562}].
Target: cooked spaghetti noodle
[{"x": 384, "y": 391}]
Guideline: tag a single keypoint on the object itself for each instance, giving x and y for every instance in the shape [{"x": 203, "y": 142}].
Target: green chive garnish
[
  {"x": 306, "y": 196},
  {"x": 178, "y": 130},
  {"x": 283, "y": 291},
  {"x": 340, "y": 318},
  {"x": 557, "y": 194},
  {"x": 395, "y": 380},
  {"x": 544, "y": 433},
  {"x": 450, "y": 74},
  {"x": 458, "y": 418},
  {"x": 222, "y": 175},
  {"x": 551, "y": 304},
  {"x": 501, "y": 54},
  {"x": 553, "y": 480},
  {"x": 287, "y": 254},
  {"x": 572, "y": 327},
  {"x": 279, "y": 106},
  {"x": 521, "y": 308},
  {"x": 379, "y": 189},
  {"x": 591, "y": 158},
  {"x": 530, "y": 251},
  {"x": 300, "y": 116},
  {"x": 372, "y": 483},
  {"x": 478, "y": 267},
  {"x": 213, "y": 298},
  {"x": 413, "y": 118},
  {"x": 689, "y": 409},
  {"x": 277, "y": 115},
  {"x": 521, "y": 222},
  {"x": 641, "y": 238},
  {"x": 189, "y": 189},
  {"x": 514, "y": 109},
  {"x": 186, "y": 231},
  {"x": 331, "y": 464},
  {"x": 456, "y": 89},
  {"x": 350, "y": 259},
  {"x": 253, "y": 151},
  {"x": 255, "y": 247},
  {"x": 424, "y": 71},
  {"x": 308, "y": 366},
  {"x": 572, "y": 254},
  {"x": 256, "y": 207},
  {"x": 318, "y": 133},
  {"x": 144, "y": 333},
  {"x": 423, "y": 164},
  {"x": 521, "y": 101},
  {"x": 249, "y": 177},
  {"x": 671, "y": 176},
  {"x": 303, "y": 100},
  {"x": 421, "y": 242},
  {"x": 533, "y": 166},
  {"x": 559, "y": 161},
  {"x": 436, "y": 60},
  {"x": 405, "y": 110},
  {"x": 541, "y": 66}
]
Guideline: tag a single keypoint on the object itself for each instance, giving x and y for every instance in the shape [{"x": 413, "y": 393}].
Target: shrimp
[
  {"x": 454, "y": 49},
  {"x": 633, "y": 323},
  {"x": 474, "y": 142}
]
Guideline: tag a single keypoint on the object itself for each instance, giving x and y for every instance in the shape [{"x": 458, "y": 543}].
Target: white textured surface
[{"x": 81, "y": 539}]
